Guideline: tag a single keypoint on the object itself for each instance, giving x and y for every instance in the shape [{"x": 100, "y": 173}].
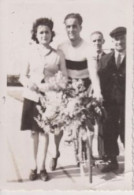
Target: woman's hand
[{"x": 32, "y": 86}]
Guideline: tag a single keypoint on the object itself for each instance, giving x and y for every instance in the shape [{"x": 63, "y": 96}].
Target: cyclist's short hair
[{"x": 74, "y": 15}]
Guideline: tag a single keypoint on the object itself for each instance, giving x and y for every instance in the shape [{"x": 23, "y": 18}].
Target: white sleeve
[{"x": 62, "y": 63}]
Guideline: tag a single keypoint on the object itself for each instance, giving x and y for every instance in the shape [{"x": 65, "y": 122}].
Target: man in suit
[
  {"x": 97, "y": 41},
  {"x": 112, "y": 72}
]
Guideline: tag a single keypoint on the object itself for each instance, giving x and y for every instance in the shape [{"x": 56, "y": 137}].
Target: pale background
[
  {"x": 102, "y": 15},
  {"x": 17, "y": 16}
]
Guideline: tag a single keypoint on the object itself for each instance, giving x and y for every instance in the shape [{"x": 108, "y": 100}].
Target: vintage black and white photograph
[{"x": 66, "y": 95}]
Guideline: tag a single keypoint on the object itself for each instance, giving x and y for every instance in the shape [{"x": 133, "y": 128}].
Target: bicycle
[{"x": 83, "y": 148}]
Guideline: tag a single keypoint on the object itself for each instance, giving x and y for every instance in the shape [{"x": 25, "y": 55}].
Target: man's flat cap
[{"x": 118, "y": 31}]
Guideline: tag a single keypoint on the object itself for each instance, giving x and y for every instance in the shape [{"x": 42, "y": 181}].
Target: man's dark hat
[{"x": 118, "y": 31}]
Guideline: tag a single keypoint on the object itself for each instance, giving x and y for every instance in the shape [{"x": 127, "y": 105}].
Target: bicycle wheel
[{"x": 89, "y": 150}]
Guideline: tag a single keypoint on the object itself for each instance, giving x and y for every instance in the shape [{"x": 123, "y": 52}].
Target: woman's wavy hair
[{"x": 45, "y": 22}]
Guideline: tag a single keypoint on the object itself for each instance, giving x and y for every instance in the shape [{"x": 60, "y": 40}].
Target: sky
[{"x": 19, "y": 15}]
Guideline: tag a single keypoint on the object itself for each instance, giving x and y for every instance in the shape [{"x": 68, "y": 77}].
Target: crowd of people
[{"x": 103, "y": 76}]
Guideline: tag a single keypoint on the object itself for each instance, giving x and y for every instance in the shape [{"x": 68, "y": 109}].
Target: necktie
[
  {"x": 118, "y": 60},
  {"x": 98, "y": 58}
]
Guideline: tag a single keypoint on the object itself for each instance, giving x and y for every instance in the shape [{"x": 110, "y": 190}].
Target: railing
[{"x": 13, "y": 81}]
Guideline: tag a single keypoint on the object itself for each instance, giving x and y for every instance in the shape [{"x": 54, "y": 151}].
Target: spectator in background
[
  {"x": 112, "y": 72},
  {"x": 97, "y": 41}
]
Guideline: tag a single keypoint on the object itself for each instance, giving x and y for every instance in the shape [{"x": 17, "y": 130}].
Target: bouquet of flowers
[{"x": 67, "y": 105}]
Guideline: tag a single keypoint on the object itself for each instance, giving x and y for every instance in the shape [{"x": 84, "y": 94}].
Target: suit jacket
[{"x": 112, "y": 79}]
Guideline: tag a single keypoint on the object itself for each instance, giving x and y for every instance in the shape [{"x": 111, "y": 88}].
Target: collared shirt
[{"x": 99, "y": 55}]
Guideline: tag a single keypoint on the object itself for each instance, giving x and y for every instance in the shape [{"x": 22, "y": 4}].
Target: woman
[{"x": 42, "y": 63}]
